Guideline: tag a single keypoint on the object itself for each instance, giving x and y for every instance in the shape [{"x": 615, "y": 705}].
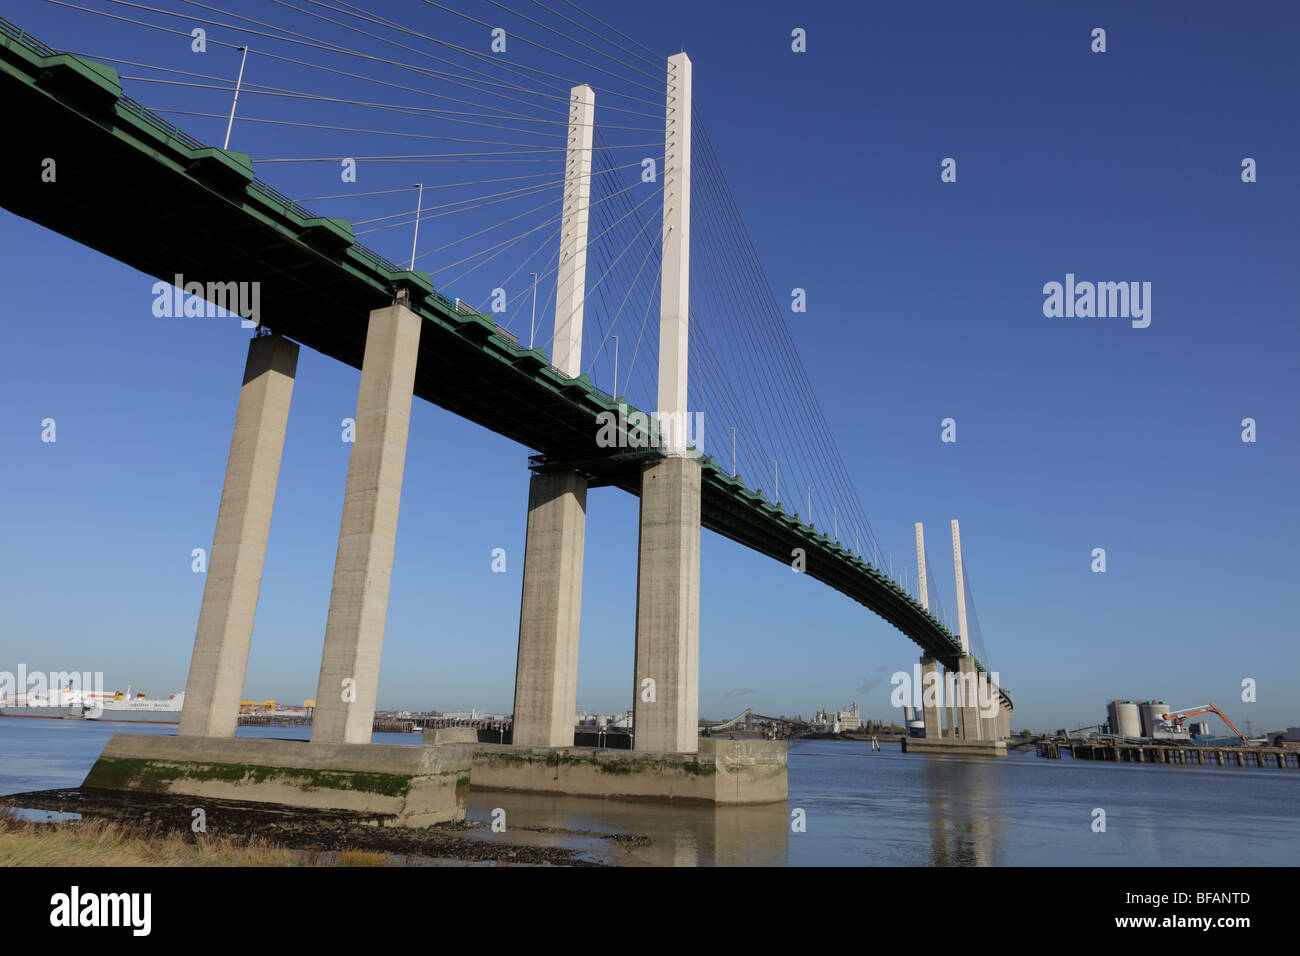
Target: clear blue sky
[{"x": 924, "y": 302}]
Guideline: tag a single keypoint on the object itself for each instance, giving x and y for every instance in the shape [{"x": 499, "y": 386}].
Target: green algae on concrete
[
  {"x": 134, "y": 773},
  {"x": 722, "y": 772},
  {"x": 417, "y": 786}
]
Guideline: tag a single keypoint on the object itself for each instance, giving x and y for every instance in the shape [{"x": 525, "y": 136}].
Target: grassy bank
[{"x": 103, "y": 843}]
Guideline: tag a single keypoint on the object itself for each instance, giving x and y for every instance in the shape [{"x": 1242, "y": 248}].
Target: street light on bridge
[{"x": 419, "y": 208}]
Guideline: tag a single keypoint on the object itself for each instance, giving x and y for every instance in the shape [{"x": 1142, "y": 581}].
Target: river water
[{"x": 858, "y": 808}]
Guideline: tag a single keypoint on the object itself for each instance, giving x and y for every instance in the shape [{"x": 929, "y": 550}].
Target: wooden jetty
[{"x": 1184, "y": 754}]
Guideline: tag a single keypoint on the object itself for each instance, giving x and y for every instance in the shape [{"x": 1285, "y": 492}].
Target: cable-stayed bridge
[{"x": 632, "y": 215}]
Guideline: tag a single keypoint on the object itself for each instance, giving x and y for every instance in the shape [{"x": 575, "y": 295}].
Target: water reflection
[
  {"x": 862, "y": 808},
  {"x": 964, "y": 800},
  {"x": 680, "y": 835}
]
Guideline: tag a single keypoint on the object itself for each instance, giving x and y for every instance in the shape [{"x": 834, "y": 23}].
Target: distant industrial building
[
  {"x": 605, "y": 721},
  {"x": 1156, "y": 720},
  {"x": 838, "y": 722}
]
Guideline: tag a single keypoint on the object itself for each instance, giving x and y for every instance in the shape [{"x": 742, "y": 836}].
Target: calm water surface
[{"x": 861, "y": 809}]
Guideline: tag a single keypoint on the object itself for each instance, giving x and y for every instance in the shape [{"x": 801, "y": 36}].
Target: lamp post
[
  {"x": 419, "y": 208},
  {"x": 615, "y": 338},
  {"x": 239, "y": 82},
  {"x": 532, "y": 322}
]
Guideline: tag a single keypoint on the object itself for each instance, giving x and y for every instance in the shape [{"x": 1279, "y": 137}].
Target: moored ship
[{"x": 118, "y": 706}]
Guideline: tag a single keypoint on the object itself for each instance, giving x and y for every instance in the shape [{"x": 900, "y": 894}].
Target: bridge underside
[{"x": 142, "y": 192}]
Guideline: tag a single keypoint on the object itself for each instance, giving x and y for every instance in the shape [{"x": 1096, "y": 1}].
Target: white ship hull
[
  {"x": 93, "y": 707},
  {"x": 75, "y": 712}
]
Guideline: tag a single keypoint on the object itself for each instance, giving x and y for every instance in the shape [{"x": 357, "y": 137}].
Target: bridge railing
[
  {"x": 501, "y": 332},
  {"x": 33, "y": 44}
]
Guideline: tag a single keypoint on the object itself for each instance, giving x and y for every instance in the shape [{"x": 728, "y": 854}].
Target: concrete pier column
[
  {"x": 667, "y": 683},
  {"x": 952, "y": 731},
  {"x": 931, "y": 689},
  {"x": 363, "y": 566},
  {"x": 546, "y": 673},
  {"x": 988, "y": 721},
  {"x": 968, "y": 712},
  {"x": 225, "y": 629}
]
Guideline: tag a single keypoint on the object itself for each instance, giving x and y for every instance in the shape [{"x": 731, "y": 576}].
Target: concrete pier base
[
  {"x": 414, "y": 786},
  {"x": 971, "y": 748},
  {"x": 722, "y": 772}
]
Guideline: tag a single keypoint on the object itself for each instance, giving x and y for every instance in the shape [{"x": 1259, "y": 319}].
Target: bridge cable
[
  {"x": 746, "y": 344},
  {"x": 798, "y": 375},
  {"x": 393, "y": 25},
  {"x": 496, "y": 226},
  {"x": 540, "y": 46},
  {"x": 518, "y": 193},
  {"x": 648, "y": 62},
  {"x": 538, "y": 23}
]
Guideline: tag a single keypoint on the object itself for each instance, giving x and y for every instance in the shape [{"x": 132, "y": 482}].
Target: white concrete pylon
[
  {"x": 923, "y": 591},
  {"x": 674, "y": 290},
  {"x": 961, "y": 587},
  {"x": 571, "y": 276}
]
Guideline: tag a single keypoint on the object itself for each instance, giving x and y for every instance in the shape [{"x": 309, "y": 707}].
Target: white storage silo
[
  {"x": 1127, "y": 721},
  {"x": 1153, "y": 712}
]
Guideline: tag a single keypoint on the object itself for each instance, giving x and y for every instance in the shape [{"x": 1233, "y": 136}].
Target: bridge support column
[
  {"x": 363, "y": 566},
  {"x": 949, "y": 695},
  {"x": 931, "y": 689},
  {"x": 667, "y": 691},
  {"x": 666, "y": 702},
  {"x": 546, "y": 674},
  {"x": 225, "y": 629},
  {"x": 990, "y": 705},
  {"x": 1004, "y": 720},
  {"x": 968, "y": 698}
]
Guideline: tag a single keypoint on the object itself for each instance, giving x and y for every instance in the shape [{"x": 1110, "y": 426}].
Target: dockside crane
[{"x": 1178, "y": 716}]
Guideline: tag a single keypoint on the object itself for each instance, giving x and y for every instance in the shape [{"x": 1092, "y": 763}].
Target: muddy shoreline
[{"x": 469, "y": 842}]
